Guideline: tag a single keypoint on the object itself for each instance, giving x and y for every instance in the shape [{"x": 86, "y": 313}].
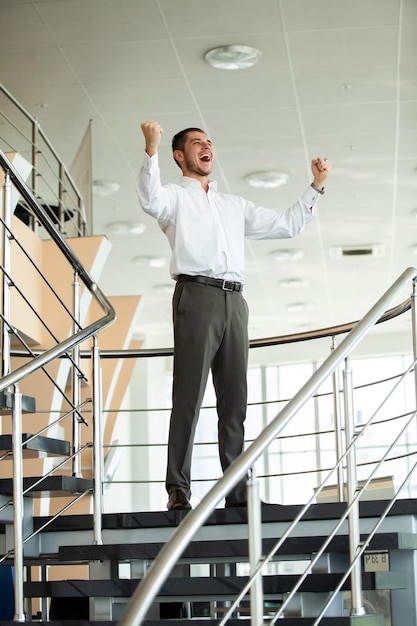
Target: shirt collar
[{"x": 187, "y": 181}]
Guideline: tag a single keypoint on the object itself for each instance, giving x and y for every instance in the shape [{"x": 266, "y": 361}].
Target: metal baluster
[
  {"x": 338, "y": 427},
  {"x": 352, "y": 485},
  {"x": 76, "y": 384},
  {"x": 414, "y": 331},
  {"x": 19, "y": 615},
  {"x": 7, "y": 216},
  {"x": 255, "y": 549},
  {"x": 98, "y": 463}
]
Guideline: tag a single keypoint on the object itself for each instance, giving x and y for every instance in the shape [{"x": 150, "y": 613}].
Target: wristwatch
[{"x": 321, "y": 191}]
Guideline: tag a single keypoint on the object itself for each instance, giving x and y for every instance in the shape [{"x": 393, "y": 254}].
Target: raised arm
[{"x": 152, "y": 132}]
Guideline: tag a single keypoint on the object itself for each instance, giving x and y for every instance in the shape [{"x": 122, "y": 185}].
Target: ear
[{"x": 178, "y": 155}]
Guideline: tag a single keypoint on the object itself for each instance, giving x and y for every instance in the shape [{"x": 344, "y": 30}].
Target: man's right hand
[{"x": 152, "y": 132}]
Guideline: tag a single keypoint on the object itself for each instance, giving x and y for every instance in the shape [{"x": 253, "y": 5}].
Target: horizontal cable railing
[
  {"x": 206, "y": 447},
  {"x": 358, "y": 493}
]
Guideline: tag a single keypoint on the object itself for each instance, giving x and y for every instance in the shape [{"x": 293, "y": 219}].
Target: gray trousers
[{"x": 210, "y": 332}]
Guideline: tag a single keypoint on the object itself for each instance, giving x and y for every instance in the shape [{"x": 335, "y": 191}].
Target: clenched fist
[{"x": 152, "y": 131}]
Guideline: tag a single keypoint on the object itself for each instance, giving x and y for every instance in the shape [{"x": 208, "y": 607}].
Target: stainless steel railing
[
  {"x": 50, "y": 181},
  {"x": 67, "y": 348},
  {"x": 161, "y": 567}
]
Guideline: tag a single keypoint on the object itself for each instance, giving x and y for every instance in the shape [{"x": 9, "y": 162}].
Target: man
[{"x": 206, "y": 231}]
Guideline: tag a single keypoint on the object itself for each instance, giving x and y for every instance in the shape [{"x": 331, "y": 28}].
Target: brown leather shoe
[{"x": 178, "y": 501}]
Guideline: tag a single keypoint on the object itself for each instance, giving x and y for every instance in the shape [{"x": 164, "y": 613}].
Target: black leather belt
[{"x": 226, "y": 285}]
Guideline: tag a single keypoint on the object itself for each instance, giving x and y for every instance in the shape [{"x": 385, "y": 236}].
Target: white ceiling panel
[{"x": 336, "y": 79}]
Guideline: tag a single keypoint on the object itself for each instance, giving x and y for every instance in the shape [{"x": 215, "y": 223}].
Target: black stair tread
[
  {"x": 55, "y": 485},
  {"x": 6, "y": 403},
  {"x": 39, "y": 444},
  {"x": 232, "y": 549},
  {"x": 366, "y": 620},
  {"x": 214, "y": 587},
  {"x": 271, "y": 513}
]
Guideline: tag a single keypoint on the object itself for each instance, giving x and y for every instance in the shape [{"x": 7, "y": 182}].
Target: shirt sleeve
[
  {"x": 153, "y": 196},
  {"x": 263, "y": 223}
]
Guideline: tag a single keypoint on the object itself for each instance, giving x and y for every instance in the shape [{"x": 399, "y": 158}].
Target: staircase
[
  {"x": 213, "y": 568},
  {"x": 69, "y": 565}
]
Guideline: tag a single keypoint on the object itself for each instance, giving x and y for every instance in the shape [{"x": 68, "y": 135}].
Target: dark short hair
[{"x": 178, "y": 140}]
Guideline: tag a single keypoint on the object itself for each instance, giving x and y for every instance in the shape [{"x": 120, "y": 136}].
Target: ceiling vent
[{"x": 364, "y": 250}]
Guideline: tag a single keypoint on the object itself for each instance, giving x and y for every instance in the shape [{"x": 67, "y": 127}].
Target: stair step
[
  {"x": 270, "y": 514},
  {"x": 208, "y": 587},
  {"x": 52, "y": 486},
  {"x": 365, "y": 620},
  {"x": 39, "y": 446},
  {"x": 230, "y": 550},
  {"x": 6, "y": 403}
]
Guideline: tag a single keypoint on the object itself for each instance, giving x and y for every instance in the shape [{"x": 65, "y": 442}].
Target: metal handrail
[
  {"x": 354, "y": 501},
  {"x": 81, "y": 335},
  {"x": 321, "y": 333},
  {"x": 278, "y": 340},
  {"x": 37, "y": 131},
  {"x": 172, "y": 550},
  {"x": 11, "y": 380}
]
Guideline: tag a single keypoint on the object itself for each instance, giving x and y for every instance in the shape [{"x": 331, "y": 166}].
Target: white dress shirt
[{"x": 206, "y": 231}]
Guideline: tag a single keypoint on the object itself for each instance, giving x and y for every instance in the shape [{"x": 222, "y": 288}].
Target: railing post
[
  {"x": 35, "y": 128},
  {"x": 98, "y": 464},
  {"x": 76, "y": 384},
  {"x": 7, "y": 216},
  {"x": 19, "y": 615},
  {"x": 255, "y": 548},
  {"x": 61, "y": 191},
  {"x": 338, "y": 426},
  {"x": 352, "y": 485},
  {"x": 414, "y": 332}
]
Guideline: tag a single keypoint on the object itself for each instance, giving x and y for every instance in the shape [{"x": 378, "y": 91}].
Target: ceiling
[{"x": 336, "y": 79}]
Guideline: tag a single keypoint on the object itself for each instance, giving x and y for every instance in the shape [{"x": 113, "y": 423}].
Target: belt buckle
[{"x": 227, "y": 288}]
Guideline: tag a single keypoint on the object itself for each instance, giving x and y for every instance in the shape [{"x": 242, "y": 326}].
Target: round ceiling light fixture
[
  {"x": 286, "y": 254},
  {"x": 105, "y": 187},
  {"x": 232, "y": 57},
  {"x": 298, "y": 307},
  {"x": 266, "y": 179},
  {"x": 126, "y": 228},
  {"x": 163, "y": 288},
  {"x": 150, "y": 261},
  {"x": 289, "y": 283}
]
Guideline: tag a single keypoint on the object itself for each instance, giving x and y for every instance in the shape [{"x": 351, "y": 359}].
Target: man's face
[{"x": 197, "y": 157}]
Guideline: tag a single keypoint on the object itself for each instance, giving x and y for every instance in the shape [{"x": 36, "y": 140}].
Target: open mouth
[{"x": 206, "y": 158}]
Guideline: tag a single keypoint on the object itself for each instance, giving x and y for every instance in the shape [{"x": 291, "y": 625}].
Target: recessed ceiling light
[
  {"x": 267, "y": 179},
  {"x": 286, "y": 255},
  {"x": 339, "y": 252},
  {"x": 105, "y": 187},
  {"x": 163, "y": 288},
  {"x": 289, "y": 283},
  {"x": 126, "y": 228},
  {"x": 298, "y": 307},
  {"x": 232, "y": 57},
  {"x": 150, "y": 261}
]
